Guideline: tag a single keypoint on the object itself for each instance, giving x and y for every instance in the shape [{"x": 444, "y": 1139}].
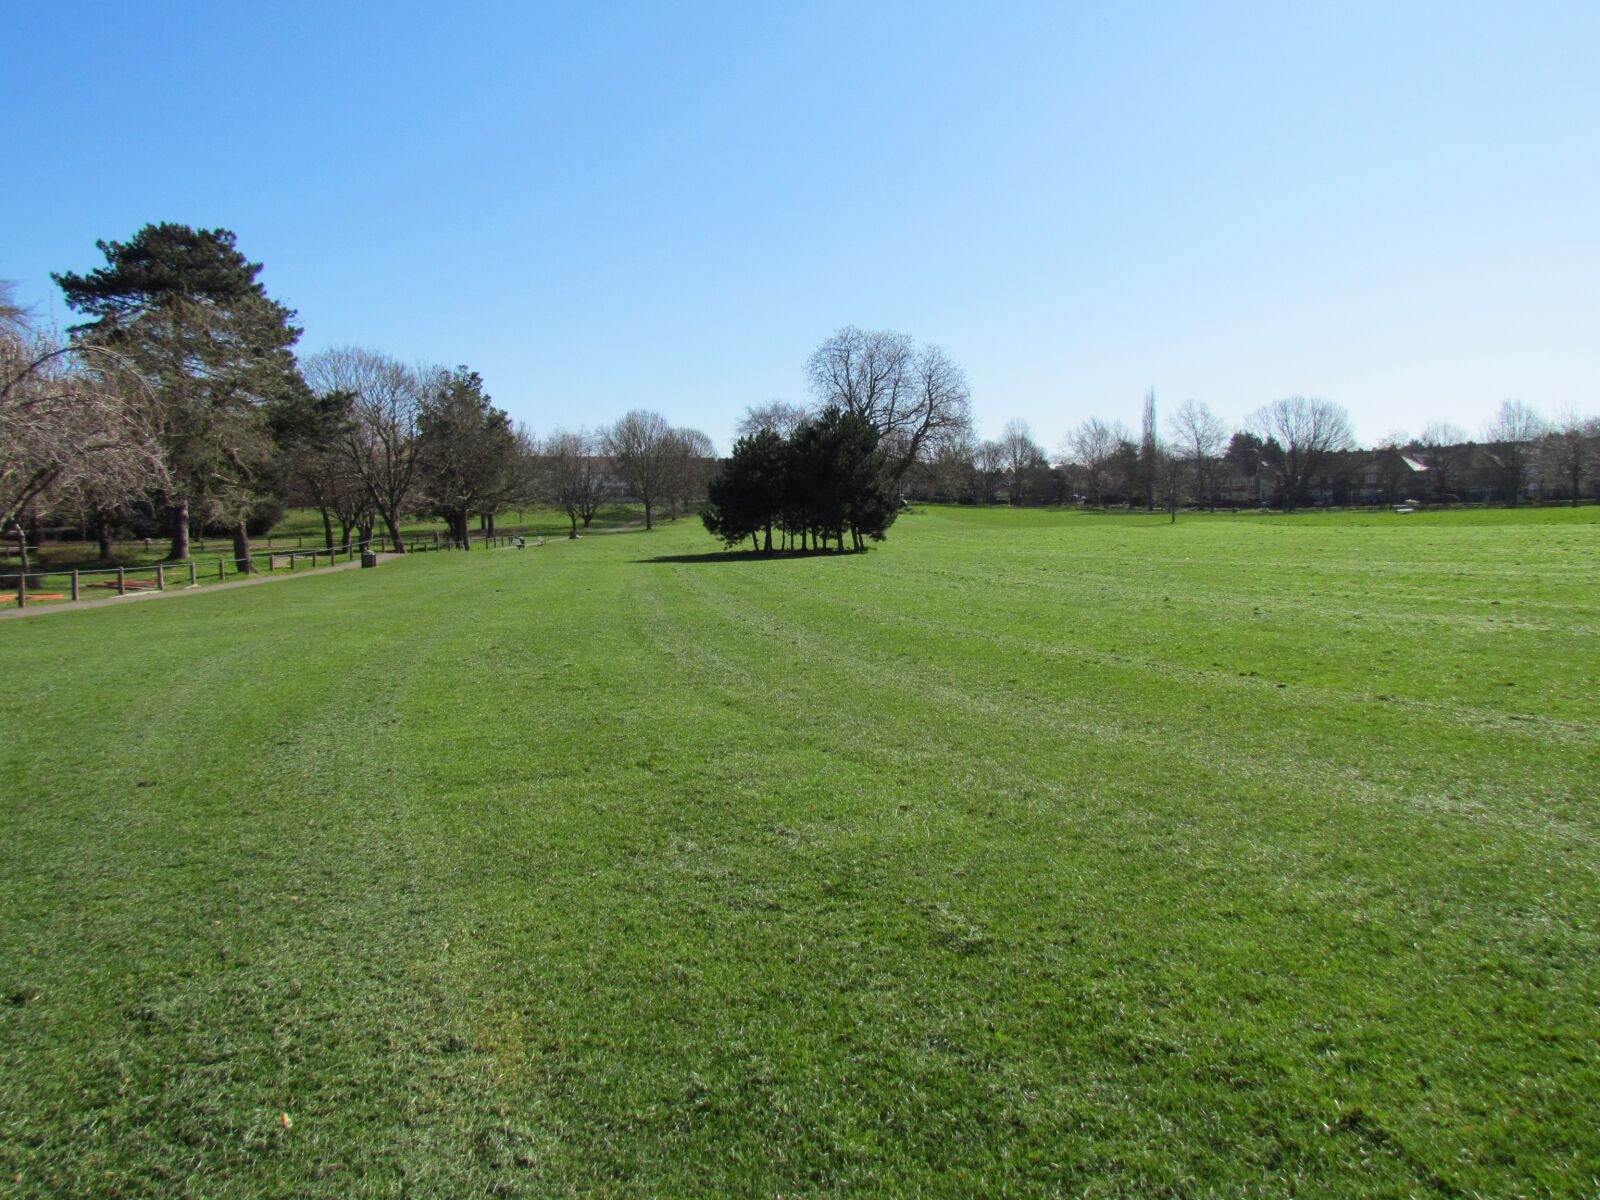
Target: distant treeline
[
  {"x": 179, "y": 403},
  {"x": 1292, "y": 453}
]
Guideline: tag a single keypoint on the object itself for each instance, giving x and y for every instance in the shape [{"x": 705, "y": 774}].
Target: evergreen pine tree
[{"x": 186, "y": 310}]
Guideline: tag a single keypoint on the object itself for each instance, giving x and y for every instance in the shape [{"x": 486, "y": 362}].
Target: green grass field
[{"x": 1030, "y": 854}]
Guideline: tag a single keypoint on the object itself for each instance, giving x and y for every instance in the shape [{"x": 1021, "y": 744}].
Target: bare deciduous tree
[
  {"x": 1021, "y": 456},
  {"x": 950, "y": 473},
  {"x": 1307, "y": 429},
  {"x": 1567, "y": 453},
  {"x": 574, "y": 474},
  {"x": 380, "y": 442},
  {"x": 1443, "y": 449},
  {"x": 779, "y": 416},
  {"x": 1510, "y": 435},
  {"x": 691, "y": 463},
  {"x": 73, "y": 420},
  {"x": 989, "y": 469},
  {"x": 913, "y": 398},
  {"x": 1094, "y": 446},
  {"x": 1198, "y": 440},
  {"x": 644, "y": 452}
]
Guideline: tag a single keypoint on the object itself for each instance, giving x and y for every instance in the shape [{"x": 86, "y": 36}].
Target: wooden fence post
[
  {"x": 74, "y": 585},
  {"x": 161, "y": 578},
  {"x": 220, "y": 571},
  {"x": 22, "y": 590},
  {"x": 122, "y": 581},
  {"x": 194, "y": 580}
]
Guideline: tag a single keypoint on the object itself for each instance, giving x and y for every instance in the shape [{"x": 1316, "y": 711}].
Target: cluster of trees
[
  {"x": 640, "y": 458},
  {"x": 658, "y": 464},
  {"x": 826, "y": 479},
  {"x": 1295, "y": 451},
  {"x": 179, "y": 403},
  {"x": 205, "y": 417},
  {"x": 832, "y": 473},
  {"x": 380, "y": 439}
]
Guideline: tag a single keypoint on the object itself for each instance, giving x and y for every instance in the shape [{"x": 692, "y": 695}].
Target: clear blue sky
[{"x": 1396, "y": 206}]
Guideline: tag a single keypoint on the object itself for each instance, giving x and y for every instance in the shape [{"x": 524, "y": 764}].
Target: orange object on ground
[{"x": 11, "y": 597}]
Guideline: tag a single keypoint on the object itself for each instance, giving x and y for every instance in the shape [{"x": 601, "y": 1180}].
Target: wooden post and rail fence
[{"x": 43, "y": 584}]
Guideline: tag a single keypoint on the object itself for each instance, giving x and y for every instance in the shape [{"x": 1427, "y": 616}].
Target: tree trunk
[
  {"x": 392, "y": 520},
  {"x": 488, "y": 524},
  {"x": 241, "y": 549},
  {"x": 648, "y": 516},
  {"x": 102, "y": 535},
  {"x": 344, "y": 535},
  {"x": 180, "y": 531},
  {"x": 327, "y": 528},
  {"x": 768, "y": 547},
  {"x": 22, "y": 549}
]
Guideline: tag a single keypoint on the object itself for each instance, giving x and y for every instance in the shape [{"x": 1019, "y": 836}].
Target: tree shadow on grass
[{"x": 746, "y": 556}]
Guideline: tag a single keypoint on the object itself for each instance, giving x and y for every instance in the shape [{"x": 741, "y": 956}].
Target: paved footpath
[{"x": 55, "y": 606}]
